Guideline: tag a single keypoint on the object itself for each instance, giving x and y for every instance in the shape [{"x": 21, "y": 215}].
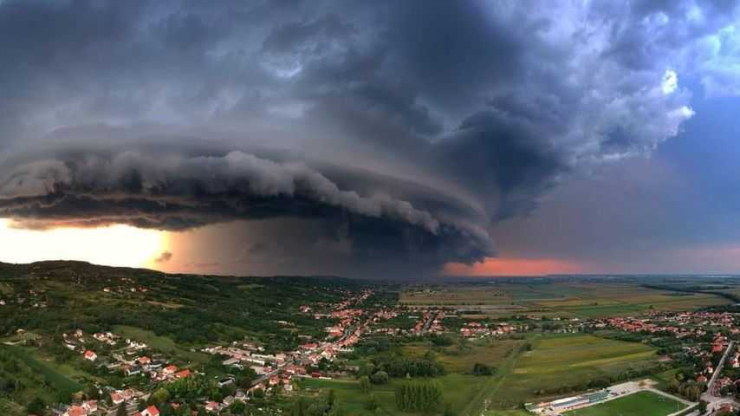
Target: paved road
[
  {"x": 712, "y": 396},
  {"x": 710, "y": 387}
]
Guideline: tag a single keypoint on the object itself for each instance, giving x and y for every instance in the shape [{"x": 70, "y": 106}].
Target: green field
[
  {"x": 564, "y": 299},
  {"x": 488, "y": 352},
  {"x": 643, "y": 403},
  {"x": 161, "y": 343},
  {"x": 458, "y": 390},
  {"x": 568, "y": 361},
  {"x": 56, "y": 380},
  {"x": 8, "y": 408}
]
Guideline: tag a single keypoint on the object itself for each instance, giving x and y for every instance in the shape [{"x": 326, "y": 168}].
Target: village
[{"x": 704, "y": 339}]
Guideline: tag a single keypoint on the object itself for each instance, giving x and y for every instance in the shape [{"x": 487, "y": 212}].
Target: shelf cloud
[{"x": 418, "y": 124}]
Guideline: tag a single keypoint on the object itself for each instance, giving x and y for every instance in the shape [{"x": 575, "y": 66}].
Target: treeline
[
  {"x": 405, "y": 366},
  {"x": 418, "y": 397},
  {"x": 324, "y": 405},
  {"x": 691, "y": 390},
  {"x": 695, "y": 289}
]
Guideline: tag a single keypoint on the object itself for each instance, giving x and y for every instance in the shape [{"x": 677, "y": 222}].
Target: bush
[
  {"x": 381, "y": 377},
  {"x": 482, "y": 370}
]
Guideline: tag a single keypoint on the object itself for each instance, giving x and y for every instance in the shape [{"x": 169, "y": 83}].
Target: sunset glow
[
  {"x": 513, "y": 267},
  {"x": 117, "y": 245}
]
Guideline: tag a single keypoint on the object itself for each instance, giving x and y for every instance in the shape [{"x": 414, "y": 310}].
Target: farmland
[
  {"x": 643, "y": 403},
  {"x": 488, "y": 346},
  {"x": 557, "y": 361},
  {"x": 458, "y": 389},
  {"x": 41, "y": 372},
  {"x": 491, "y": 353},
  {"x": 557, "y": 298}
]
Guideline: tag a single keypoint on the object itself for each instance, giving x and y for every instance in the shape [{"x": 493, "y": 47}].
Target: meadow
[
  {"x": 566, "y": 299},
  {"x": 570, "y": 360},
  {"x": 461, "y": 360},
  {"x": 59, "y": 384},
  {"x": 642, "y": 403},
  {"x": 158, "y": 342},
  {"x": 458, "y": 390}
]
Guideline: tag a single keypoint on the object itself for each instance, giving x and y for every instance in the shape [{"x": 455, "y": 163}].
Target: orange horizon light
[{"x": 513, "y": 266}]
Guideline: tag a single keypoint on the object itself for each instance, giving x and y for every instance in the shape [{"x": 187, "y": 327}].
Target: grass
[
  {"x": 564, "y": 299},
  {"x": 9, "y": 408},
  {"x": 489, "y": 352},
  {"x": 642, "y": 403},
  {"x": 158, "y": 342},
  {"x": 558, "y": 361},
  {"x": 665, "y": 377},
  {"x": 458, "y": 391},
  {"x": 57, "y": 380}
]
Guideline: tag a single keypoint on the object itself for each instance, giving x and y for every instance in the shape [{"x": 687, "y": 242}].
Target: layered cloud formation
[{"x": 405, "y": 128}]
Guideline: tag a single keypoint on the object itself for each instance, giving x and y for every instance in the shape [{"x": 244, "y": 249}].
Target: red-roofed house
[
  {"x": 91, "y": 405},
  {"x": 90, "y": 355},
  {"x": 183, "y": 374},
  {"x": 150, "y": 411},
  {"x": 116, "y": 398},
  {"x": 75, "y": 410}
]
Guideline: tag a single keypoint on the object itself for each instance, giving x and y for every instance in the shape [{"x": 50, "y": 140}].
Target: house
[
  {"x": 149, "y": 411},
  {"x": 75, "y": 410},
  {"x": 116, "y": 398},
  {"x": 91, "y": 406},
  {"x": 145, "y": 360},
  {"x": 90, "y": 355},
  {"x": 702, "y": 379},
  {"x": 212, "y": 407},
  {"x": 231, "y": 362},
  {"x": 183, "y": 374},
  {"x": 169, "y": 370},
  {"x": 225, "y": 382}
]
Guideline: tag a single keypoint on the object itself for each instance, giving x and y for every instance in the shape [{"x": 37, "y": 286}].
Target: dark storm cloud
[
  {"x": 164, "y": 257},
  {"x": 412, "y": 126}
]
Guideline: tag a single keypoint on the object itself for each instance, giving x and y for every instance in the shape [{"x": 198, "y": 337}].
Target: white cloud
[{"x": 669, "y": 82}]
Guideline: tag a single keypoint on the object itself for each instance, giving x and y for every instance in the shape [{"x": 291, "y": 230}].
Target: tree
[
  {"x": 238, "y": 407},
  {"x": 381, "y": 377},
  {"x": 418, "y": 397},
  {"x": 92, "y": 392},
  {"x": 258, "y": 393},
  {"x": 158, "y": 397},
  {"x": 36, "y": 407},
  {"x": 331, "y": 398},
  {"x": 365, "y": 384},
  {"x": 702, "y": 407},
  {"x": 121, "y": 410},
  {"x": 337, "y": 410},
  {"x": 371, "y": 403},
  {"x": 482, "y": 370}
]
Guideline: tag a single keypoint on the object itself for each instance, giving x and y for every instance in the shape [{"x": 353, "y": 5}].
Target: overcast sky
[{"x": 380, "y": 138}]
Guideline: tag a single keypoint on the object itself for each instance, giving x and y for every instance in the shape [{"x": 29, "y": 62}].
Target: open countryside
[{"x": 361, "y": 346}]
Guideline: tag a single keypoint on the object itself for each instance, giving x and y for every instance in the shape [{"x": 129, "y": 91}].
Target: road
[
  {"x": 428, "y": 323},
  {"x": 712, "y": 396}
]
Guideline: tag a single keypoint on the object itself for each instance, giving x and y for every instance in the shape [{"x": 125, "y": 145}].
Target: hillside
[{"x": 50, "y": 309}]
